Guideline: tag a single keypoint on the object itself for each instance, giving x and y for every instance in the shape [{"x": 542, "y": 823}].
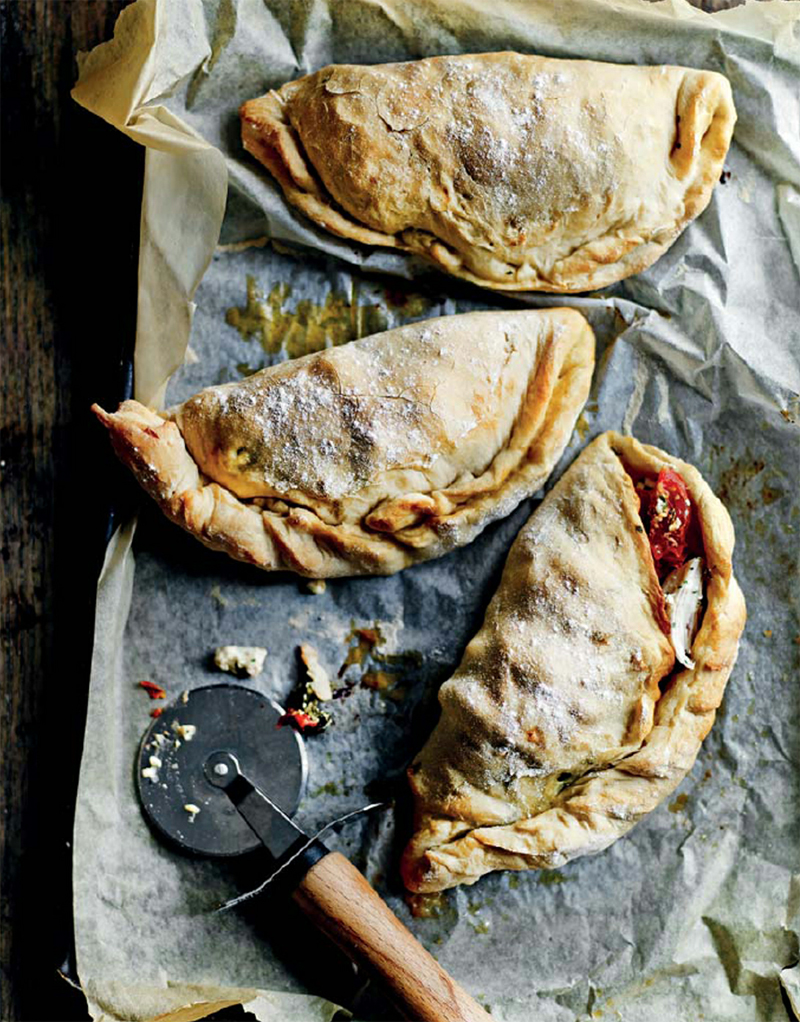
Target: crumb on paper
[
  {"x": 309, "y": 720},
  {"x": 184, "y": 731},
  {"x": 316, "y": 586},
  {"x": 242, "y": 246},
  {"x": 767, "y": 633},
  {"x": 319, "y": 681},
  {"x": 153, "y": 690},
  {"x": 157, "y": 711},
  {"x": 240, "y": 660},
  {"x": 192, "y": 810}
]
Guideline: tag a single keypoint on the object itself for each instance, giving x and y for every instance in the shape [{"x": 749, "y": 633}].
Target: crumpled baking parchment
[{"x": 696, "y": 913}]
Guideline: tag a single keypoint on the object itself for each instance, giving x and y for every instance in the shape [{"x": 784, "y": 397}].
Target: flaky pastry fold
[
  {"x": 369, "y": 457},
  {"x": 513, "y": 171},
  {"x": 568, "y": 719}
]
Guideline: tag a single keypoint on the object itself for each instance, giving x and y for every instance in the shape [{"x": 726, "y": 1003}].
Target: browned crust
[
  {"x": 268, "y": 135},
  {"x": 296, "y": 539},
  {"x": 598, "y": 809}
]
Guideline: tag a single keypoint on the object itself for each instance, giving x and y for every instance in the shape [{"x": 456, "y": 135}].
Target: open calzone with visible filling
[
  {"x": 583, "y": 700},
  {"x": 366, "y": 458},
  {"x": 509, "y": 170}
]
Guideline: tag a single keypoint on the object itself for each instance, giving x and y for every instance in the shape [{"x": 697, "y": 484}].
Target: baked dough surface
[
  {"x": 555, "y": 736},
  {"x": 369, "y": 457},
  {"x": 512, "y": 171}
]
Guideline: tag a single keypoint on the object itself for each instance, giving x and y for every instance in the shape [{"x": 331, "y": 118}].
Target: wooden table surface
[{"x": 69, "y": 218}]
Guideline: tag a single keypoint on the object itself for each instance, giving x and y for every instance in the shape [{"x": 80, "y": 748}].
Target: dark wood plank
[{"x": 69, "y": 203}]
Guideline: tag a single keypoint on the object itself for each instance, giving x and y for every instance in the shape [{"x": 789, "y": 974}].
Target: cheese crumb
[
  {"x": 185, "y": 731},
  {"x": 316, "y": 586},
  {"x": 155, "y": 762},
  {"x": 192, "y": 810},
  {"x": 151, "y": 773},
  {"x": 683, "y": 596},
  {"x": 319, "y": 683},
  {"x": 241, "y": 660}
]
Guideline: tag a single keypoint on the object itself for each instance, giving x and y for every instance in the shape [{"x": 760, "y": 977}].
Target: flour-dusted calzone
[
  {"x": 369, "y": 457},
  {"x": 584, "y": 698},
  {"x": 509, "y": 170}
]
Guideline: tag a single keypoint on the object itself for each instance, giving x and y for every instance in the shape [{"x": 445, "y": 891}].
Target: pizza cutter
[{"x": 217, "y": 777}]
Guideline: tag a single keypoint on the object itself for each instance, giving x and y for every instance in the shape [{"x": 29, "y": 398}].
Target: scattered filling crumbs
[
  {"x": 384, "y": 682},
  {"x": 767, "y": 633},
  {"x": 184, "y": 731},
  {"x": 153, "y": 690},
  {"x": 192, "y": 810},
  {"x": 307, "y": 716},
  {"x": 185, "y": 696},
  {"x": 319, "y": 683},
  {"x": 366, "y": 640},
  {"x": 245, "y": 661},
  {"x": 306, "y": 722},
  {"x": 366, "y": 653},
  {"x": 316, "y": 586},
  {"x": 426, "y": 906},
  {"x": 548, "y": 877},
  {"x": 379, "y": 681}
]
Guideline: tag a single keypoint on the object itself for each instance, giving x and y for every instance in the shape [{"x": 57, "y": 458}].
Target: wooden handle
[{"x": 340, "y": 901}]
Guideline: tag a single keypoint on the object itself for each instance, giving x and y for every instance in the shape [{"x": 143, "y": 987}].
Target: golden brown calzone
[
  {"x": 366, "y": 458},
  {"x": 509, "y": 170},
  {"x": 569, "y": 718}
]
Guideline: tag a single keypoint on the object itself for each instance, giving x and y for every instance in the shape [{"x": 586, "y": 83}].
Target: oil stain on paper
[{"x": 309, "y": 326}]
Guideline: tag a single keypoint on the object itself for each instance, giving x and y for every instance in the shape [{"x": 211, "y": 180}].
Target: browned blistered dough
[
  {"x": 555, "y": 737},
  {"x": 512, "y": 171},
  {"x": 369, "y": 457}
]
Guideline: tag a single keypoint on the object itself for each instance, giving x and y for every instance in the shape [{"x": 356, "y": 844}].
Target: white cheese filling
[
  {"x": 242, "y": 660},
  {"x": 683, "y": 594}
]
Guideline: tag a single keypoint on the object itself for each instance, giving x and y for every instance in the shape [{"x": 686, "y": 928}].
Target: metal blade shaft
[{"x": 266, "y": 819}]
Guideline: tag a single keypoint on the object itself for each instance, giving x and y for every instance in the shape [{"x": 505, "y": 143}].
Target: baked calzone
[
  {"x": 509, "y": 170},
  {"x": 368, "y": 457},
  {"x": 583, "y": 700}
]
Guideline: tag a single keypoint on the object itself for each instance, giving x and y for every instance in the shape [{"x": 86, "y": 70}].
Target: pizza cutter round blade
[
  {"x": 217, "y": 777},
  {"x": 179, "y": 795}
]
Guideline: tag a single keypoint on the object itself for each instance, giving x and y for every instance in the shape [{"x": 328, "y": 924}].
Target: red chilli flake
[
  {"x": 153, "y": 690},
  {"x": 300, "y": 721},
  {"x": 668, "y": 515},
  {"x": 157, "y": 711}
]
